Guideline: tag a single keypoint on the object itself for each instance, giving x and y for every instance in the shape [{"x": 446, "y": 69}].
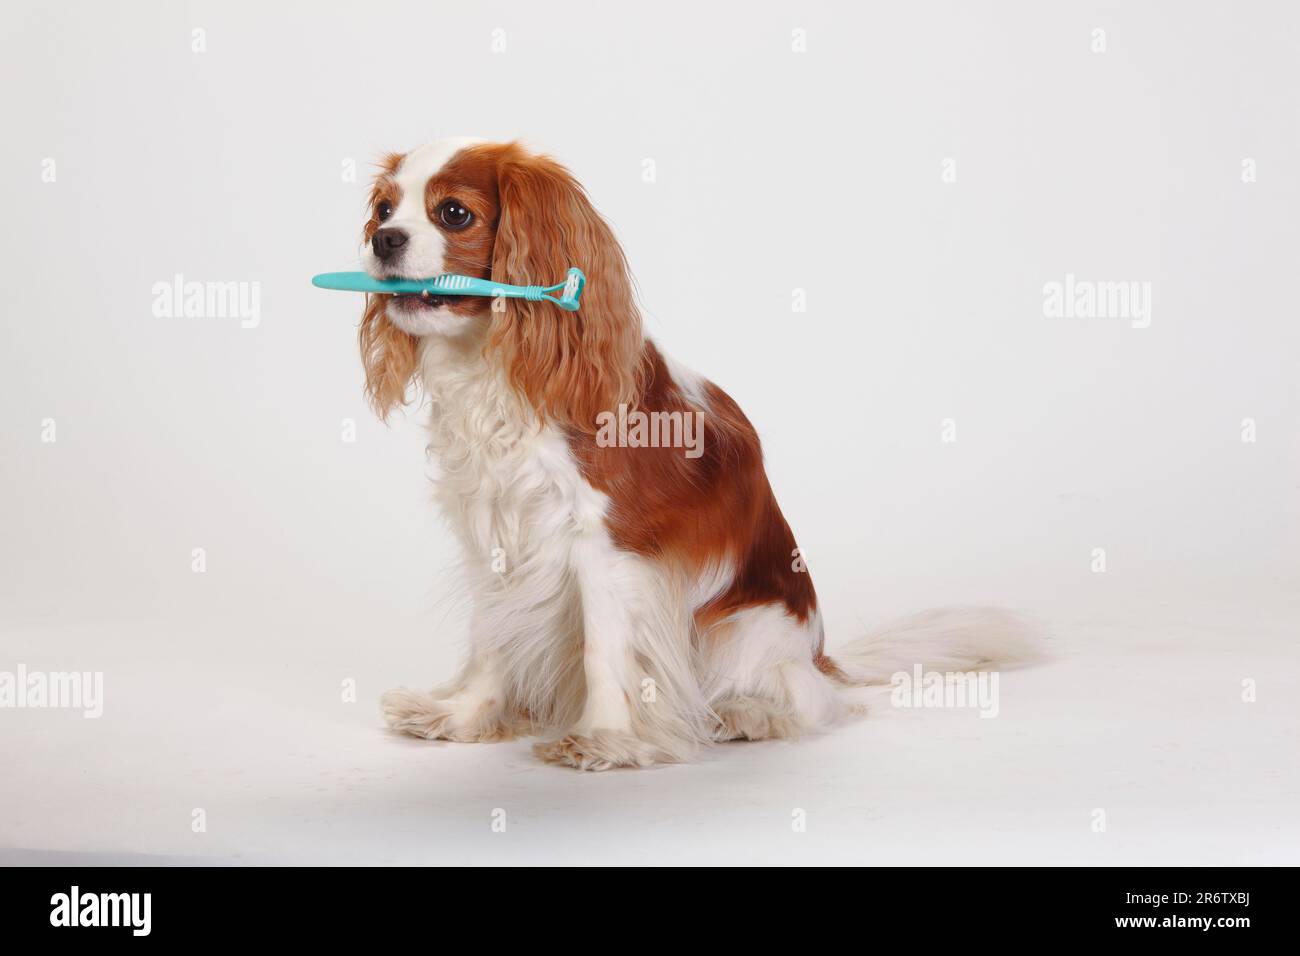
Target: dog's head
[{"x": 499, "y": 212}]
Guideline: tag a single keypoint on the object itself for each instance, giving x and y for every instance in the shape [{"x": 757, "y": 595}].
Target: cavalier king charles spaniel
[{"x": 633, "y": 599}]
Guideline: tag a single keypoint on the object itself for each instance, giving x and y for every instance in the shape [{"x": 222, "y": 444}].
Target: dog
[{"x": 633, "y": 599}]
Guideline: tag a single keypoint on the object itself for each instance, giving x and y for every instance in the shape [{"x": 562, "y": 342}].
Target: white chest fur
[{"x": 506, "y": 482}]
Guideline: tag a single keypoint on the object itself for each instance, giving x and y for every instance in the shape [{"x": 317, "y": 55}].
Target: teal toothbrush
[{"x": 569, "y": 290}]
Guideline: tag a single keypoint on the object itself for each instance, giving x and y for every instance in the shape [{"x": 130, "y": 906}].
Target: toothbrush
[{"x": 570, "y": 289}]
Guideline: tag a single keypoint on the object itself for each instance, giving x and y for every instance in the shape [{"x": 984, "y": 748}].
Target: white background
[{"x": 774, "y": 171}]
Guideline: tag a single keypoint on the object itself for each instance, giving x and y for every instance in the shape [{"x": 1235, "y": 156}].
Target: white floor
[{"x": 1140, "y": 715}]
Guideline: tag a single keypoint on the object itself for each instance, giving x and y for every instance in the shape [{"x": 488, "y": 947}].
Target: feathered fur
[{"x": 630, "y": 602}]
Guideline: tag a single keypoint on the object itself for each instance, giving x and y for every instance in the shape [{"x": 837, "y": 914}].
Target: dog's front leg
[{"x": 634, "y": 643}]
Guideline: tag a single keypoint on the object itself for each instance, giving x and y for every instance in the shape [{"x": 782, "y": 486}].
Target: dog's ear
[
  {"x": 570, "y": 366},
  {"x": 388, "y": 355}
]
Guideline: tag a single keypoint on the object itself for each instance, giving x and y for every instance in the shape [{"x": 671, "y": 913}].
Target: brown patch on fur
[
  {"x": 470, "y": 178},
  {"x": 382, "y": 187},
  {"x": 704, "y": 512},
  {"x": 388, "y": 356},
  {"x": 387, "y": 353},
  {"x": 568, "y": 365},
  {"x": 830, "y": 668}
]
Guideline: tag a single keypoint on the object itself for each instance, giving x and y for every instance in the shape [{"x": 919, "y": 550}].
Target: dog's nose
[{"x": 386, "y": 242}]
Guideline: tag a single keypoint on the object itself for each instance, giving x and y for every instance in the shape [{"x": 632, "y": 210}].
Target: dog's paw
[
  {"x": 598, "y": 750},
  {"x": 751, "y": 718},
  {"x": 423, "y": 715}
]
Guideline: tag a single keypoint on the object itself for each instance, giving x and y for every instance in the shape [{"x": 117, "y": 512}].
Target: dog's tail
[{"x": 946, "y": 640}]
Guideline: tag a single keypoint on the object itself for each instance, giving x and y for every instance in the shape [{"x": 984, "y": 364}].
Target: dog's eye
[
  {"x": 383, "y": 210},
  {"x": 453, "y": 215}
]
